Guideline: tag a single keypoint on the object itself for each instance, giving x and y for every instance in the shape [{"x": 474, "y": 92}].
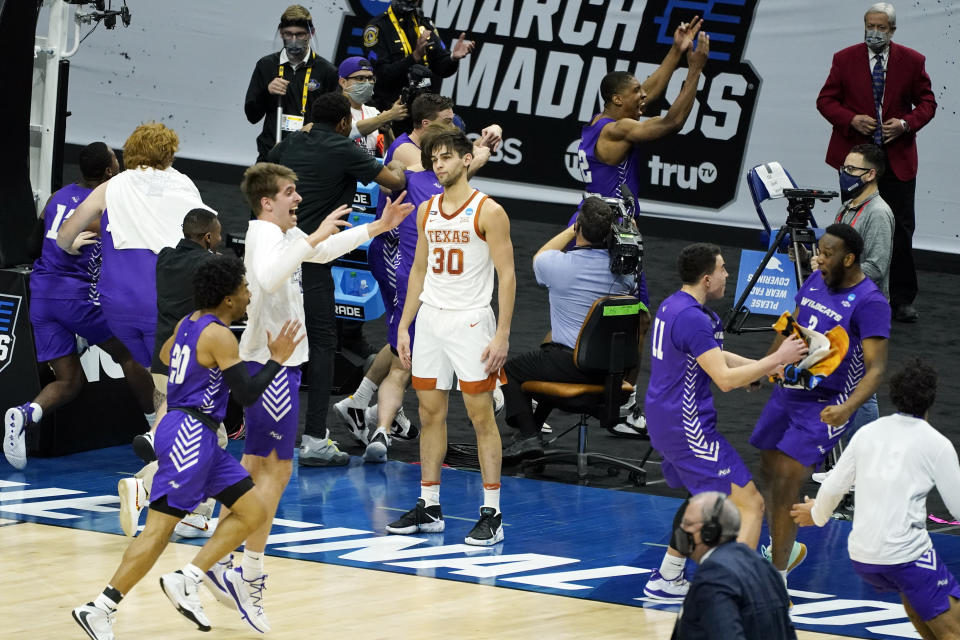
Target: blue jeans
[{"x": 868, "y": 412}]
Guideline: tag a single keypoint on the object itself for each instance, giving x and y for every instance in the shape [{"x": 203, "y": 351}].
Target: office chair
[{"x": 607, "y": 346}]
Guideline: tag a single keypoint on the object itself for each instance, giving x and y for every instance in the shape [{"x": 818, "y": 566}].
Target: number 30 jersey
[
  {"x": 191, "y": 384},
  {"x": 459, "y": 268}
]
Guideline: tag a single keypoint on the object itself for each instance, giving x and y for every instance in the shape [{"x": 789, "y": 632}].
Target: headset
[{"x": 711, "y": 531}]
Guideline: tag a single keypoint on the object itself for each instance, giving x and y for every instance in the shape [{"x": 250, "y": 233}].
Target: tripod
[{"x": 797, "y": 225}]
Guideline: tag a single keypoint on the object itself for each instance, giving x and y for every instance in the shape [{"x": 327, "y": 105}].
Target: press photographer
[
  {"x": 402, "y": 37},
  {"x": 576, "y": 278}
]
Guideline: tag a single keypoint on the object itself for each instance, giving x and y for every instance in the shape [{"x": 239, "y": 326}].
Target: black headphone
[{"x": 711, "y": 531}]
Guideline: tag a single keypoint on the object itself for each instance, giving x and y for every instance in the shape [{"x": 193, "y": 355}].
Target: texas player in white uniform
[{"x": 464, "y": 236}]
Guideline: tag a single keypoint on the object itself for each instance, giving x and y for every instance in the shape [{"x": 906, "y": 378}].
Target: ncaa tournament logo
[
  {"x": 9, "y": 310},
  {"x": 537, "y": 73}
]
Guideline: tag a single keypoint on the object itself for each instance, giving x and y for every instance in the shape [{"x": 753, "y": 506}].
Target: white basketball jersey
[{"x": 459, "y": 268}]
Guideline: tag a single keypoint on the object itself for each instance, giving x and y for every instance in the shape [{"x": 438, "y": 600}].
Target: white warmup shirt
[
  {"x": 369, "y": 141},
  {"x": 273, "y": 259},
  {"x": 895, "y": 462}
]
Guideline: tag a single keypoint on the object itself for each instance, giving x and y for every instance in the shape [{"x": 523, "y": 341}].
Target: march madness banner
[{"x": 537, "y": 69}]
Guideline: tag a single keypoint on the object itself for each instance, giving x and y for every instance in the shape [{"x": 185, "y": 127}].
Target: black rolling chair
[{"x": 607, "y": 346}]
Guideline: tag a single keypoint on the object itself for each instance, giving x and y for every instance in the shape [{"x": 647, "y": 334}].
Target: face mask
[
  {"x": 683, "y": 542},
  {"x": 360, "y": 92},
  {"x": 295, "y": 48},
  {"x": 877, "y": 41},
  {"x": 850, "y": 186}
]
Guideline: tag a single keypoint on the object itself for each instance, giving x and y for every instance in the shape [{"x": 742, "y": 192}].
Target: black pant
[
  {"x": 318, "y": 304},
  {"x": 899, "y": 194},
  {"x": 552, "y": 362}
]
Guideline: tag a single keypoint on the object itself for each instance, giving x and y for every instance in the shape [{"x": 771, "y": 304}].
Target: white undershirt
[
  {"x": 370, "y": 140},
  {"x": 895, "y": 462}
]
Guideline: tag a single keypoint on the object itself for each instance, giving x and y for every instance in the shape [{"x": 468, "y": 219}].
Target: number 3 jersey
[
  {"x": 860, "y": 310},
  {"x": 56, "y": 273},
  {"x": 191, "y": 384},
  {"x": 459, "y": 268}
]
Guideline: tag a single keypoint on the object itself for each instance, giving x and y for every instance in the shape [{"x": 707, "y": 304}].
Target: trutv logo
[{"x": 666, "y": 174}]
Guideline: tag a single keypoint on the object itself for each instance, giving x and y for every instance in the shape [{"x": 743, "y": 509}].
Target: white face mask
[
  {"x": 360, "y": 92},
  {"x": 877, "y": 41}
]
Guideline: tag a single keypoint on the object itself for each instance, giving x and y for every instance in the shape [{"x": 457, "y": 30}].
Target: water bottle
[
  {"x": 349, "y": 283},
  {"x": 364, "y": 288}
]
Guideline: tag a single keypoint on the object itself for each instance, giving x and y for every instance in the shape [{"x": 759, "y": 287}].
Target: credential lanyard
[
  {"x": 404, "y": 41},
  {"x": 306, "y": 82},
  {"x": 856, "y": 216}
]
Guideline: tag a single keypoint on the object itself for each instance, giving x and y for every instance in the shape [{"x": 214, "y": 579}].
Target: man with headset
[{"x": 736, "y": 594}]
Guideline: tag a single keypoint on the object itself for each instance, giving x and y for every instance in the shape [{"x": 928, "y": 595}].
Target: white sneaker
[
  {"x": 627, "y": 407},
  {"x": 317, "y": 452},
  {"x": 402, "y": 427},
  {"x": 216, "y": 582},
  {"x": 194, "y": 525},
  {"x": 182, "y": 592},
  {"x": 95, "y": 621},
  {"x": 659, "y": 588},
  {"x": 498, "y": 401},
  {"x": 133, "y": 498},
  {"x": 376, "y": 451},
  {"x": 15, "y": 422},
  {"x": 352, "y": 415},
  {"x": 248, "y": 596}
]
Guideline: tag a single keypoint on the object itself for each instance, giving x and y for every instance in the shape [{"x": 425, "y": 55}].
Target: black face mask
[{"x": 683, "y": 542}]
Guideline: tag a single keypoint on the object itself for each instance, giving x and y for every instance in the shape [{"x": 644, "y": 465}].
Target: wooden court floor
[{"x": 48, "y": 570}]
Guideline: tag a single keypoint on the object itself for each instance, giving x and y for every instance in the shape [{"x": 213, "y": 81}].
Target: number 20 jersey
[{"x": 459, "y": 268}]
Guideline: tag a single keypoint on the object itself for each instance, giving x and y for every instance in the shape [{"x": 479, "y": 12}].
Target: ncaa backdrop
[{"x": 536, "y": 70}]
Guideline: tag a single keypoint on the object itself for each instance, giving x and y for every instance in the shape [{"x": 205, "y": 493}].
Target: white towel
[{"x": 146, "y": 207}]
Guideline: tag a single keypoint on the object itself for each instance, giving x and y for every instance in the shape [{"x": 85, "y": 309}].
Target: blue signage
[{"x": 776, "y": 287}]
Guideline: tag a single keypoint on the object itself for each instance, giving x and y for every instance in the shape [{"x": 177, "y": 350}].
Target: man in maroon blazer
[{"x": 879, "y": 92}]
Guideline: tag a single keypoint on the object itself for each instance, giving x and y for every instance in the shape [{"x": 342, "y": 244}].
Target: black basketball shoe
[{"x": 420, "y": 519}]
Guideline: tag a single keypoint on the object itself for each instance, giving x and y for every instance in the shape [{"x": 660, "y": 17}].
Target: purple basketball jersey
[
  {"x": 56, "y": 273},
  {"x": 603, "y": 178},
  {"x": 403, "y": 138},
  {"x": 189, "y": 383},
  {"x": 128, "y": 278},
  {"x": 683, "y": 330},
  {"x": 861, "y": 310}
]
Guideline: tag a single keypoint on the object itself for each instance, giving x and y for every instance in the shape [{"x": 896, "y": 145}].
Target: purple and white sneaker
[
  {"x": 15, "y": 423},
  {"x": 660, "y": 588}
]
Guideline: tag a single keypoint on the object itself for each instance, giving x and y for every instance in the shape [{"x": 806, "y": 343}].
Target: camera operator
[
  {"x": 401, "y": 37},
  {"x": 575, "y": 278},
  {"x": 291, "y": 77}
]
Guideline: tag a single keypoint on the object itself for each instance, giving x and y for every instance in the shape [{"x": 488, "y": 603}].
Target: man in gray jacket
[{"x": 867, "y": 212}]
